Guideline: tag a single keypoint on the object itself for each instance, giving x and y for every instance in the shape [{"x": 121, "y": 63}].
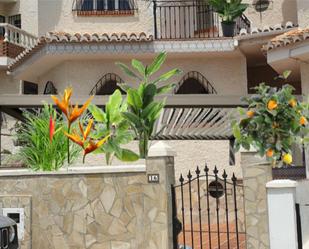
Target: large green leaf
[
  {"x": 113, "y": 107},
  {"x": 156, "y": 64},
  {"x": 139, "y": 67},
  {"x": 167, "y": 75},
  {"x": 134, "y": 99},
  {"x": 131, "y": 117},
  {"x": 127, "y": 155},
  {"x": 127, "y": 70},
  {"x": 97, "y": 113},
  {"x": 165, "y": 89},
  {"x": 149, "y": 94}
]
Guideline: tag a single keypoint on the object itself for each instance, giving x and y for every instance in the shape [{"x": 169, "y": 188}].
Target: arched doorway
[
  {"x": 194, "y": 83},
  {"x": 107, "y": 85}
]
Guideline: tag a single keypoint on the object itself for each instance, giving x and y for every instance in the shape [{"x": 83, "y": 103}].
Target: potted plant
[{"x": 228, "y": 10}]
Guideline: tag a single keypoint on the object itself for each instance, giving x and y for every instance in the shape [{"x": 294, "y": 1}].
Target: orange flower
[
  {"x": 86, "y": 132},
  {"x": 303, "y": 120},
  {"x": 270, "y": 153},
  {"x": 51, "y": 128},
  {"x": 65, "y": 101},
  {"x": 292, "y": 103},
  {"x": 272, "y": 104},
  {"x": 93, "y": 146},
  {"x": 250, "y": 114},
  {"x": 72, "y": 113},
  {"x": 75, "y": 138},
  {"x": 76, "y": 112},
  {"x": 82, "y": 140}
]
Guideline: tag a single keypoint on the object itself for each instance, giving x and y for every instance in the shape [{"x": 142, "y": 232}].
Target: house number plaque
[{"x": 153, "y": 178}]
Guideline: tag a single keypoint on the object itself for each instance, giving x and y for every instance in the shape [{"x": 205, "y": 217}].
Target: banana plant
[
  {"x": 143, "y": 110},
  {"x": 112, "y": 122},
  {"x": 228, "y": 10}
]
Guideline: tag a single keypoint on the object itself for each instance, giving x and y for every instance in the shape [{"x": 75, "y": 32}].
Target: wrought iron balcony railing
[
  {"x": 185, "y": 19},
  {"x": 104, "y": 7}
]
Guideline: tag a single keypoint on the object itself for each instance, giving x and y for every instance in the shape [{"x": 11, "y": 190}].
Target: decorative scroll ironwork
[
  {"x": 208, "y": 222},
  {"x": 194, "y": 76},
  {"x": 50, "y": 88},
  {"x": 107, "y": 85}
]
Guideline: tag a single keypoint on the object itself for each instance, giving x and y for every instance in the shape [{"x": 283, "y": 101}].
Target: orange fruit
[
  {"x": 303, "y": 120},
  {"x": 272, "y": 104},
  {"x": 269, "y": 152},
  {"x": 250, "y": 114}
]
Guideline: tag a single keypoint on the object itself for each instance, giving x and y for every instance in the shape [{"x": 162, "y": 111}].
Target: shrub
[
  {"x": 273, "y": 122},
  {"x": 39, "y": 152}
]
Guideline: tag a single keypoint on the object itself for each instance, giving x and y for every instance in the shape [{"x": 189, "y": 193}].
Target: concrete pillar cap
[
  {"x": 161, "y": 149},
  {"x": 281, "y": 184}
]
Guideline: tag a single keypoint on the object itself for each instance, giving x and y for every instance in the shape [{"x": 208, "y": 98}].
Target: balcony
[
  {"x": 13, "y": 41},
  {"x": 174, "y": 20}
]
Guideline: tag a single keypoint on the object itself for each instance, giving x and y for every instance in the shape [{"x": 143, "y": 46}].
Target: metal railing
[
  {"x": 187, "y": 19},
  {"x": 104, "y": 7},
  {"x": 17, "y": 36}
]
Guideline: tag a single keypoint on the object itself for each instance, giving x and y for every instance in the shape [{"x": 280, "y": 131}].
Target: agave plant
[
  {"x": 143, "y": 110},
  {"x": 228, "y": 10},
  {"x": 111, "y": 122}
]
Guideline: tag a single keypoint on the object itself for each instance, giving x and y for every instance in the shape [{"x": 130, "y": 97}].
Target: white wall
[
  {"x": 302, "y": 197},
  {"x": 303, "y": 13}
]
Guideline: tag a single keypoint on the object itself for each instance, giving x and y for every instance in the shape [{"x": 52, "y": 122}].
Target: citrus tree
[{"x": 274, "y": 121}]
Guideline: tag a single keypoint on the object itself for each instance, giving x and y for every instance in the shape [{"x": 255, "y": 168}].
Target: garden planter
[{"x": 228, "y": 29}]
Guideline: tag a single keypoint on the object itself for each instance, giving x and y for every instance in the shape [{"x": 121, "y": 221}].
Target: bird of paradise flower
[
  {"x": 71, "y": 112},
  {"x": 88, "y": 144}
]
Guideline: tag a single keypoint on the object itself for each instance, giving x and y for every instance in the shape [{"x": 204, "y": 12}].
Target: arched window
[
  {"x": 194, "y": 83},
  {"x": 50, "y": 88},
  {"x": 107, "y": 85}
]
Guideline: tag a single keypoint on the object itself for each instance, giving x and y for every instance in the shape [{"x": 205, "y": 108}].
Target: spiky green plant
[{"x": 39, "y": 152}]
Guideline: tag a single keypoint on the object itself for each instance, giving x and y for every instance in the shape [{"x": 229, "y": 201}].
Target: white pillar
[{"x": 281, "y": 214}]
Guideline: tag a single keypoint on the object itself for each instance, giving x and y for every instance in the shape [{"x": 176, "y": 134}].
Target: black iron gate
[{"x": 208, "y": 211}]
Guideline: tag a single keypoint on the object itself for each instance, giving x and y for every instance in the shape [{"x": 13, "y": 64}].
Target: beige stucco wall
[
  {"x": 227, "y": 74},
  {"x": 304, "y": 70},
  {"x": 8, "y": 85},
  {"x": 29, "y": 13},
  {"x": 303, "y": 13},
  {"x": 61, "y": 18},
  {"x": 279, "y": 12}
]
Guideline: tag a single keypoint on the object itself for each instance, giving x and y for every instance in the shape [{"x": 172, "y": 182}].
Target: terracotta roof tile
[
  {"x": 266, "y": 29},
  {"x": 64, "y": 37},
  {"x": 290, "y": 37}
]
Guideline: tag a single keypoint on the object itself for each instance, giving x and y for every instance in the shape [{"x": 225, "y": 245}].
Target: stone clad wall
[
  {"x": 256, "y": 173},
  {"x": 93, "y": 211}
]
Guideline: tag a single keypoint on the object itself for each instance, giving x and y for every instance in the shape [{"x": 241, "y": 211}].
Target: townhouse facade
[{"x": 46, "y": 45}]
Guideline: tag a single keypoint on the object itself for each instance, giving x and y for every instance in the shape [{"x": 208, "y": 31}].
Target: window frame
[{"x": 104, "y": 10}]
